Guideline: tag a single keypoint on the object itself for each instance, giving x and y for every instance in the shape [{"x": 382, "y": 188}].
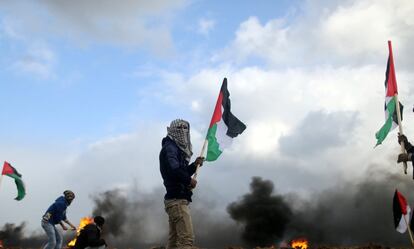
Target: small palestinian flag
[
  {"x": 391, "y": 120},
  {"x": 401, "y": 209},
  {"x": 224, "y": 126},
  {"x": 8, "y": 170}
]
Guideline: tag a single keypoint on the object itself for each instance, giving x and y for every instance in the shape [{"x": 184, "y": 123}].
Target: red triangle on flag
[{"x": 7, "y": 169}]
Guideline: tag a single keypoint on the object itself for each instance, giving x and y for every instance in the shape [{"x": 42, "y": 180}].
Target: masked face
[
  {"x": 184, "y": 128},
  {"x": 69, "y": 201},
  {"x": 69, "y": 196},
  {"x": 179, "y": 131}
]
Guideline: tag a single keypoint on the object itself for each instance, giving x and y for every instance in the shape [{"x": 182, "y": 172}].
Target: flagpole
[
  {"x": 1, "y": 174},
  {"x": 201, "y": 155},
  {"x": 1, "y": 178},
  {"x": 397, "y": 106},
  {"x": 409, "y": 231},
  {"x": 400, "y": 129}
]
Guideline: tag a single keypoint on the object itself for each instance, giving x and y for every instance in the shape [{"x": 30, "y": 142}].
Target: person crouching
[
  {"x": 56, "y": 214},
  {"x": 90, "y": 236}
]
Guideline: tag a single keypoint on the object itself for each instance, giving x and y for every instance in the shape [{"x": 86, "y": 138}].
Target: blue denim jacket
[{"x": 57, "y": 211}]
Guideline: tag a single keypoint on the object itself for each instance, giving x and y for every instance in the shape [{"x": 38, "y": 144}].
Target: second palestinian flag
[
  {"x": 224, "y": 126},
  {"x": 10, "y": 171},
  {"x": 401, "y": 209}
]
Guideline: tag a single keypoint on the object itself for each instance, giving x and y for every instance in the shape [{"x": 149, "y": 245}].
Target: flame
[
  {"x": 1, "y": 244},
  {"x": 299, "y": 243},
  {"x": 82, "y": 223}
]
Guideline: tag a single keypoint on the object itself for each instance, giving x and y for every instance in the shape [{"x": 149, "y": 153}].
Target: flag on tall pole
[
  {"x": 392, "y": 110},
  {"x": 224, "y": 126},
  {"x": 10, "y": 171}
]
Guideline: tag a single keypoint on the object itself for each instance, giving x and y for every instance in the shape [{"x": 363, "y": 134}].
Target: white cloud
[
  {"x": 128, "y": 23},
  {"x": 39, "y": 61},
  {"x": 254, "y": 39},
  {"x": 273, "y": 102},
  {"x": 8, "y": 30},
  {"x": 352, "y": 32},
  {"x": 363, "y": 27},
  {"x": 205, "y": 26},
  {"x": 262, "y": 137}
]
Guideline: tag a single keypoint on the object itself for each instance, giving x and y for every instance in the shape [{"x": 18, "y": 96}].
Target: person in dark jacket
[
  {"x": 176, "y": 172},
  {"x": 90, "y": 236},
  {"x": 56, "y": 214}
]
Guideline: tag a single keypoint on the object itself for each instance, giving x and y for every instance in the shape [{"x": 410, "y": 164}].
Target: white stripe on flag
[
  {"x": 402, "y": 227},
  {"x": 223, "y": 140}
]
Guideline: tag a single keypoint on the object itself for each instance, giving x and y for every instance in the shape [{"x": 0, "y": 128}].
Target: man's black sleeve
[
  {"x": 191, "y": 168},
  {"x": 180, "y": 173},
  {"x": 409, "y": 147}
]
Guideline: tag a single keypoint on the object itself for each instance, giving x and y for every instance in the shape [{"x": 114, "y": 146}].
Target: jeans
[
  {"x": 181, "y": 233},
  {"x": 54, "y": 237}
]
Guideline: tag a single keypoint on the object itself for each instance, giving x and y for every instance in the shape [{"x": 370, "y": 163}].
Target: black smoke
[
  {"x": 264, "y": 215},
  {"x": 113, "y": 207},
  {"x": 128, "y": 218},
  {"x": 14, "y": 236},
  {"x": 351, "y": 213}
]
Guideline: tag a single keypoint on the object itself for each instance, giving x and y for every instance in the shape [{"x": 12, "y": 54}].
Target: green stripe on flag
[
  {"x": 21, "y": 191},
  {"x": 213, "y": 150},
  {"x": 385, "y": 129}
]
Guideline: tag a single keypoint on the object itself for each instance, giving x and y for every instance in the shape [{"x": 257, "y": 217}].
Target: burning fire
[
  {"x": 1, "y": 244},
  {"x": 299, "y": 243},
  {"x": 83, "y": 222}
]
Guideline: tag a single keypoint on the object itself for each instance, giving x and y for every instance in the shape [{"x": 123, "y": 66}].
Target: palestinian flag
[
  {"x": 391, "y": 90},
  {"x": 8, "y": 170},
  {"x": 401, "y": 209},
  {"x": 224, "y": 126}
]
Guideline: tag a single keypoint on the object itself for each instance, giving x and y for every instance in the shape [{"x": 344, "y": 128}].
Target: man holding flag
[
  {"x": 393, "y": 111},
  {"x": 393, "y": 108},
  {"x": 176, "y": 171}
]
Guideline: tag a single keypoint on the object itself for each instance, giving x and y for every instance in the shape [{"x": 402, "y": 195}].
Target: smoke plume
[
  {"x": 264, "y": 216},
  {"x": 112, "y": 205},
  {"x": 14, "y": 236},
  {"x": 350, "y": 213},
  {"x": 353, "y": 212}
]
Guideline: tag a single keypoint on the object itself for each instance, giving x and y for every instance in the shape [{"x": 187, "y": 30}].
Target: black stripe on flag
[
  {"x": 387, "y": 72},
  {"x": 234, "y": 125}
]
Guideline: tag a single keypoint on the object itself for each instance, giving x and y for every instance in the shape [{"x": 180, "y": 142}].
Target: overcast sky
[{"x": 89, "y": 87}]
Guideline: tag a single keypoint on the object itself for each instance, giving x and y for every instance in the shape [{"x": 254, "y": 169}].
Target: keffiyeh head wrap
[{"x": 179, "y": 131}]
